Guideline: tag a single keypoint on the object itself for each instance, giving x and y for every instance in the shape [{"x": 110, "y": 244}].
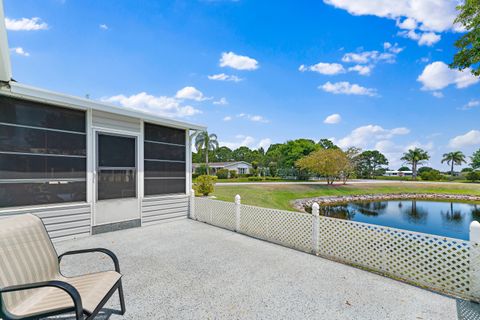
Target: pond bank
[{"x": 302, "y": 204}]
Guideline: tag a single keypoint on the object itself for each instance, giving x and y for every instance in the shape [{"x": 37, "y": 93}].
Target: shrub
[
  {"x": 254, "y": 178},
  {"x": 424, "y": 169},
  {"x": 205, "y": 185},
  {"x": 201, "y": 170},
  {"x": 431, "y": 175},
  {"x": 233, "y": 174},
  {"x": 222, "y": 174},
  {"x": 473, "y": 176}
]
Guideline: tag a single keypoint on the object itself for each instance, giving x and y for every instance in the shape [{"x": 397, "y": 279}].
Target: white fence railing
[{"x": 444, "y": 264}]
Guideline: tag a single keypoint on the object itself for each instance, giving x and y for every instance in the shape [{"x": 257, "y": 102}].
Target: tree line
[{"x": 304, "y": 158}]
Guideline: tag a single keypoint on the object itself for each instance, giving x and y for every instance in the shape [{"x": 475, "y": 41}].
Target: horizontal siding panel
[
  {"x": 61, "y": 222},
  {"x": 162, "y": 209}
]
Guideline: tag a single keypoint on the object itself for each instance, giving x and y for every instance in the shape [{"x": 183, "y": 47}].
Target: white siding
[
  {"x": 164, "y": 208},
  {"x": 62, "y": 221},
  {"x": 115, "y": 122}
]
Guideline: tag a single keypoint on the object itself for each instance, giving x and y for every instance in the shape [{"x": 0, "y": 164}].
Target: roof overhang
[{"x": 17, "y": 90}]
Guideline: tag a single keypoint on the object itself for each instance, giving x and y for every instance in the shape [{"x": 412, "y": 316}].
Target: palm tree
[
  {"x": 415, "y": 157},
  {"x": 206, "y": 142},
  {"x": 454, "y": 158}
]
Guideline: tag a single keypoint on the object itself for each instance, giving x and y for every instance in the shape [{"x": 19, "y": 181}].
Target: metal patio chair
[{"x": 31, "y": 284}]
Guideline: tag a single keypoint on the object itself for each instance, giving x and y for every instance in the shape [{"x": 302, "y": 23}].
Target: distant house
[
  {"x": 396, "y": 173},
  {"x": 241, "y": 167}
]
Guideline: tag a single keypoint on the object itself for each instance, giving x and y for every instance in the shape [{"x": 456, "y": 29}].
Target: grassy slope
[{"x": 279, "y": 196}]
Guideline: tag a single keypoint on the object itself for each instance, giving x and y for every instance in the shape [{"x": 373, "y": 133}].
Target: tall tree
[
  {"x": 206, "y": 142},
  {"x": 468, "y": 54},
  {"x": 329, "y": 163},
  {"x": 327, "y": 144},
  {"x": 369, "y": 162},
  {"x": 415, "y": 157},
  {"x": 454, "y": 158},
  {"x": 475, "y": 159}
]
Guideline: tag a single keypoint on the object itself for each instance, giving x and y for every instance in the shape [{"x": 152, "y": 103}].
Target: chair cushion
[{"x": 92, "y": 288}]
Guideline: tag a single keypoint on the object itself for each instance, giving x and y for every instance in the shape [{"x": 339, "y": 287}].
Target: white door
[{"x": 116, "y": 178}]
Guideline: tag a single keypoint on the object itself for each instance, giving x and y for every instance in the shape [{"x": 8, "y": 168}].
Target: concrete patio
[{"x": 189, "y": 270}]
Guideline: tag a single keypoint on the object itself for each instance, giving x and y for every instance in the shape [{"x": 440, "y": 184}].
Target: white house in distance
[
  {"x": 241, "y": 167},
  {"x": 87, "y": 167},
  {"x": 396, "y": 173}
]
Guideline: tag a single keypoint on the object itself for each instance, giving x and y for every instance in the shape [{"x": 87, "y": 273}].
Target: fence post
[
  {"x": 237, "y": 212},
  {"x": 192, "y": 205},
  {"x": 315, "y": 228},
  {"x": 475, "y": 260}
]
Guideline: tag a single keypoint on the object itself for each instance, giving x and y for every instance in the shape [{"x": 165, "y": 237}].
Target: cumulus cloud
[
  {"x": 25, "y": 24},
  {"x": 224, "y": 77},
  {"x": 345, "y": 87},
  {"x": 423, "y": 39},
  {"x": 362, "y": 70},
  {"x": 239, "y": 62},
  {"x": 437, "y": 75},
  {"x": 157, "y": 105},
  {"x": 227, "y": 118},
  {"x": 366, "y": 135},
  {"x": 333, "y": 119},
  {"x": 221, "y": 102},
  {"x": 470, "y": 105},
  {"x": 254, "y": 118},
  {"x": 437, "y": 94},
  {"x": 103, "y": 26},
  {"x": 20, "y": 51},
  {"x": 365, "y": 57},
  {"x": 470, "y": 138},
  {"x": 190, "y": 93},
  {"x": 247, "y": 141},
  {"x": 425, "y": 16},
  {"x": 324, "y": 68}
]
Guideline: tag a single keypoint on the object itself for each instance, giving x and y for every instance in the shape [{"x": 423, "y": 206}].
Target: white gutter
[{"x": 5, "y": 67}]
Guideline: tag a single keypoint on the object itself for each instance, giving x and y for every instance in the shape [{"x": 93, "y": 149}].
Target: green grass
[{"x": 280, "y": 196}]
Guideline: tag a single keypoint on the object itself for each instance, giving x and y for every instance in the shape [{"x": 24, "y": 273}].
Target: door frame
[{"x": 138, "y": 161}]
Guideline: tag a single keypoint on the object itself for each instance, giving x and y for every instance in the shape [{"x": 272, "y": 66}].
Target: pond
[{"x": 449, "y": 219}]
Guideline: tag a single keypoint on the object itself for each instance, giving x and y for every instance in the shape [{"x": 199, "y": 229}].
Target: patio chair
[{"x": 31, "y": 284}]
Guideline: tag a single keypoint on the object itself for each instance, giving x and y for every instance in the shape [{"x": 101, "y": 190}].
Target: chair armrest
[
  {"x": 68, "y": 288},
  {"x": 102, "y": 250}
]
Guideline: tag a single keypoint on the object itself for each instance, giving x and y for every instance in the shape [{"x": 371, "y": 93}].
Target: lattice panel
[
  {"x": 291, "y": 229},
  {"x": 215, "y": 212},
  {"x": 437, "y": 262}
]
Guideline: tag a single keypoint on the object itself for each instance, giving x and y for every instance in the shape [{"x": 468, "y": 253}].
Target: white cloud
[
  {"x": 324, "y": 68},
  {"x": 254, "y": 118},
  {"x": 427, "y": 16},
  {"x": 423, "y": 38},
  {"x": 25, "y": 24},
  {"x": 471, "y": 104},
  {"x": 235, "y": 61},
  {"x": 470, "y": 138},
  {"x": 366, "y": 135},
  {"x": 362, "y": 70},
  {"x": 103, "y": 26},
  {"x": 20, "y": 51},
  {"x": 190, "y": 93},
  {"x": 222, "y": 102},
  {"x": 437, "y": 94},
  {"x": 224, "y": 77},
  {"x": 157, "y": 105},
  {"x": 246, "y": 141},
  {"x": 333, "y": 119},
  {"x": 348, "y": 88},
  {"x": 437, "y": 75},
  {"x": 365, "y": 57},
  {"x": 227, "y": 118}
]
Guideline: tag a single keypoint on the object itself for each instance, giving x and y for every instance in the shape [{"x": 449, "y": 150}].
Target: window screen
[
  {"x": 165, "y": 156},
  {"x": 42, "y": 153}
]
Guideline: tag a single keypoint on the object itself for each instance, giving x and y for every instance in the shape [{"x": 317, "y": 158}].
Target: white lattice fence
[
  {"x": 444, "y": 264},
  {"x": 217, "y": 213},
  {"x": 436, "y": 262},
  {"x": 291, "y": 229}
]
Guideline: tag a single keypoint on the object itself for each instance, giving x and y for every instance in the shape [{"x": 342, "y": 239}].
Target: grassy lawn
[{"x": 279, "y": 196}]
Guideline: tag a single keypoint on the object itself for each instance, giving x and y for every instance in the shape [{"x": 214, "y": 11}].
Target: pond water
[{"x": 449, "y": 219}]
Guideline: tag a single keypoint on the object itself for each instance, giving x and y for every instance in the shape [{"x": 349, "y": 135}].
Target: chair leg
[{"x": 120, "y": 295}]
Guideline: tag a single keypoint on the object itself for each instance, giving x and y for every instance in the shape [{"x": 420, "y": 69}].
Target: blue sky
[{"x": 368, "y": 75}]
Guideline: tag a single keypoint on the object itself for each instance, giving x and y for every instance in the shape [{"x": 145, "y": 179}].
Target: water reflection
[{"x": 450, "y": 219}]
